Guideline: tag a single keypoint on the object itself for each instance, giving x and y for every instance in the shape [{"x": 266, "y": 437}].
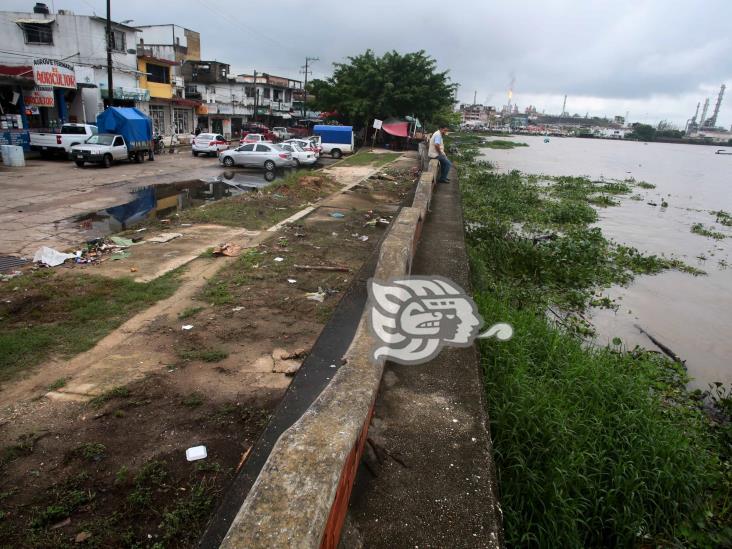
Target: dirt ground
[{"x": 111, "y": 471}]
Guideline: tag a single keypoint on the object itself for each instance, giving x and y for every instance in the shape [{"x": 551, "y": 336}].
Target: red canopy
[{"x": 399, "y": 129}]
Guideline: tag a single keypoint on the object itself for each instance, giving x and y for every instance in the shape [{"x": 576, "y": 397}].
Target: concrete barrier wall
[{"x": 300, "y": 497}]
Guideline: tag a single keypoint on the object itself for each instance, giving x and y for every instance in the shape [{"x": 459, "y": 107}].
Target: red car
[{"x": 260, "y": 129}]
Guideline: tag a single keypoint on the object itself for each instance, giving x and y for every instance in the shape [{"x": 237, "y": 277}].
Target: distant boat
[{"x": 722, "y": 151}]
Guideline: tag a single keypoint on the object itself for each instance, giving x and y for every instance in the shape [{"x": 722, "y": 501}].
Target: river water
[{"x": 692, "y": 315}]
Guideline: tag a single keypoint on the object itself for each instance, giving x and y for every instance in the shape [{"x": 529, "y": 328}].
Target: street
[{"x": 42, "y": 200}]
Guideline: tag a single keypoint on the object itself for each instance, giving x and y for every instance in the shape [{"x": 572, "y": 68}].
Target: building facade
[
  {"x": 53, "y": 68},
  {"x": 163, "y": 50}
]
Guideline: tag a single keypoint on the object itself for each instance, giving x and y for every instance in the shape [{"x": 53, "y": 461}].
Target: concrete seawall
[{"x": 301, "y": 496}]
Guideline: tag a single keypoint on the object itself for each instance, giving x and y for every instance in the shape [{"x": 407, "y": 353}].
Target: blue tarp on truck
[
  {"x": 342, "y": 135},
  {"x": 132, "y": 124}
]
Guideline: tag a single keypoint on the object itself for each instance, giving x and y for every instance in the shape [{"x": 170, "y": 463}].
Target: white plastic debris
[
  {"x": 164, "y": 237},
  {"x": 49, "y": 256},
  {"x": 291, "y": 280},
  {"x": 187, "y": 327},
  {"x": 237, "y": 309},
  {"x": 196, "y": 452},
  {"x": 363, "y": 238},
  {"x": 279, "y": 259},
  {"x": 318, "y": 296}
]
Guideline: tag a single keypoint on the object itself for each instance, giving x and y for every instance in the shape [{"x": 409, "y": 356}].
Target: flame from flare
[{"x": 510, "y": 95}]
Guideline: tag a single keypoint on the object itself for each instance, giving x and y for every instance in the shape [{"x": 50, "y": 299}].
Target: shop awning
[{"x": 398, "y": 128}]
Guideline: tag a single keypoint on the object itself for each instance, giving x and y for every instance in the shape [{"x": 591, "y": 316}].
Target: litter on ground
[
  {"x": 318, "y": 296},
  {"x": 279, "y": 259},
  {"x": 337, "y": 215},
  {"x": 187, "y": 327},
  {"x": 228, "y": 249},
  {"x": 50, "y": 257},
  {"x": 119, "y": 255},
  {"x": 122, "y": 242},
  {"x": 196, "y": 452}
]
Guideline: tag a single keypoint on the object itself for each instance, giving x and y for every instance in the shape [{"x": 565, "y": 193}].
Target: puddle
[{"x": 163, "y": 200}]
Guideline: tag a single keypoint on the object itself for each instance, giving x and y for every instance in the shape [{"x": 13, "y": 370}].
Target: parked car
[
  {"x": 124, "y": 134},
  {"x": 335, "y": 140},
  {"x": 265, "y": 155},
  {"x": 305, "y": 144},
  {"x": 281, "y": 132},
  {"x": 259, "y": 129},
  {"x": 300, "y": 156},
  {"x": 61, "y": 142},
  {"x": 209, "y": 144},
  {"x": 253, "y": 138}
]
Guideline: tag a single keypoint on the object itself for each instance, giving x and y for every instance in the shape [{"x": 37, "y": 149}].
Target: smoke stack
[{"x": 40, "y": 8}]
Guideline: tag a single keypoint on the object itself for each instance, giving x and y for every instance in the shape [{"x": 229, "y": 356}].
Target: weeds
[
  {"x": 723, "y": 218},
  {"x": 502, "y": 144},
  {"x": 194, "y": 400},
  {"x": 117, "y": 392},
  {"x": 58, "y": 384},
  {"x": 700, "y": 229},
  {"x": 189, "y": 312}
]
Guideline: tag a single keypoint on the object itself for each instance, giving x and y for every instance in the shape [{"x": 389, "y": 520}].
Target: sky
[{"x": 651, "y": 59}]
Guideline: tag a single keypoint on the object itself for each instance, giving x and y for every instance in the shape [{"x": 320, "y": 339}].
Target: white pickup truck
[
  {"x": 107, "y": 148},
  {"x": 61, "y": 143},
  {"x": 281, "y": 133}
]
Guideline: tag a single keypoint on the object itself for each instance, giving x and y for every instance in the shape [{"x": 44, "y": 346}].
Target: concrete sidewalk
[{"x": 428, "y": 479}]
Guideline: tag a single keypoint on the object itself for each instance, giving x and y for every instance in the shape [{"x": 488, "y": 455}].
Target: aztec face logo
[{"x": 414, "y": 318}]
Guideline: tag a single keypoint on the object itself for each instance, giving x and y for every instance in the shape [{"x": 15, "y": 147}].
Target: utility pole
[
  {"x": 305, "y": 86},
  {"x": 110, "y": 89},
  {"x": 256, "y": 93}
]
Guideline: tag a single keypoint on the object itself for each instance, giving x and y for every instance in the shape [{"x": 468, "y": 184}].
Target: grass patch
[
  {"x": 58, "y": 384},
  {"x": 194, "y": 400},
  {"x": 700, "y": 229},
  {"x": 502, "y": 144},
  {"x": 117, "y": 392},
  {"x": 189, "y": 312},
  {"x": 594, "y": 447},
  {"x": 366, "y": 158},
  {"x": 266, "y": 207},
  {"x": 89, "y": 451},
  {"x": 188, "y": 516},
  {"x": 55, "y": 313}
]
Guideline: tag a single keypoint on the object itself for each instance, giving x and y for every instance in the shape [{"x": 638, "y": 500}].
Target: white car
[
  {"x": 300, "y": 156},
  {"x": 209, "y": 143},
  {"x": 261, "y": 155},
  {"x": 305, "y": 144}
]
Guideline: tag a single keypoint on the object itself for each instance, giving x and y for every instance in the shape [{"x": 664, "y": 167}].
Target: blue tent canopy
[{"x": 132, "y": 124}]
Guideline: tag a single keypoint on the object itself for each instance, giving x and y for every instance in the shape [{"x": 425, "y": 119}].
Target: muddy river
[{"x": 691, "y": 315}]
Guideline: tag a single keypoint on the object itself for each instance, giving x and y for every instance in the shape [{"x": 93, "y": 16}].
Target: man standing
[{"x": 437, "y": 150}]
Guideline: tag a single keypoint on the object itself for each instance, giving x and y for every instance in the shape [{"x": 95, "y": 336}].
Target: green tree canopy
[
  {"x": 370, "y": 87},
  {"x": 642, "y": 132}
]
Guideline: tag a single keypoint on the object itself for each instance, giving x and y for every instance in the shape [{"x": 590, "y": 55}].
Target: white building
[{"x": 73, "y": 43}]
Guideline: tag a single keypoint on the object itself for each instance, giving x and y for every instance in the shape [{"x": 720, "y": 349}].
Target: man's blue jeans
[{"x": 445, "y": 166}]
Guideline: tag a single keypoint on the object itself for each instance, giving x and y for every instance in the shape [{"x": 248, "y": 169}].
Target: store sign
[
  {"x": 40, "y": 96},
  {"x": 125, "y": 93},
  {"x": 225, "y": 108},
  {"x": 50, "y": 72},
  {"x": 84, "y": 75}
]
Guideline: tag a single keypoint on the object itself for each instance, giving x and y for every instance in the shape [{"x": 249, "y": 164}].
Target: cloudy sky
[{"x": 654, "y": 59}]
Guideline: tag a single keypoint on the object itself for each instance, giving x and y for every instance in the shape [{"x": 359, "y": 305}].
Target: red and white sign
[
  {"x": 40, "y": 96},
  {"x": 50, "y": 72}
]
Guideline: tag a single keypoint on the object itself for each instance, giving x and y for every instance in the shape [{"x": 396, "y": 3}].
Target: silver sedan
[{"x": 258, "y": 155}]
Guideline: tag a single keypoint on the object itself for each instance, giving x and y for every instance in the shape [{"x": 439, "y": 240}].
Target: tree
[
  {"x": 369, "y": 87},
  {"x": 642, "y": 132}
]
